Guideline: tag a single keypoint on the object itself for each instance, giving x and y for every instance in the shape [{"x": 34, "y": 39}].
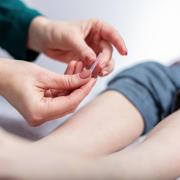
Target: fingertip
[
  {"x": 79, "y": 67},
  {"x": 125, "y": 53},
  {"x": 120, "y": 45},
  {"x": 89, "y": 61},
  {"x": 93, "y": 80},
  {"x": 70, "y": 68},
  {"x": 124, "y": 49},
  {"x": 90, "y": 57},
  {"x": 85, "y": 74}
]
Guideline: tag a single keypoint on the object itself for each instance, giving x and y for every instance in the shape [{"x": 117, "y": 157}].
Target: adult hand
[
  {"x": 80, "y": 41},
  {"x": 40, "y": 95}
]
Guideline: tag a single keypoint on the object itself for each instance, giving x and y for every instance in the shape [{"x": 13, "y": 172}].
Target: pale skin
[
  {"x": 94, "y": 130},
  {"x": 155, "y": 158},
  {"x": 40, "y": 95},
  {"x": 84, "y": 146},
  {"x": 95, "y": 133},
  {"x": 45, "y": 95},
  {"x": 80, "y": 41}
]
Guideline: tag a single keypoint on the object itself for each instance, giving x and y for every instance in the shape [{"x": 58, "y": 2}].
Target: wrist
[
  {"x": 7, "y": 75},
  {"x": 37, "y": 33},
  {"x": 3, "y": 75}
]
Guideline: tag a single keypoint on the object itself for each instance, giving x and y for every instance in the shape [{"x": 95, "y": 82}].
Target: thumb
[
  {"x": 69, "y": 82},
  {"x": 84, "y": 51}
]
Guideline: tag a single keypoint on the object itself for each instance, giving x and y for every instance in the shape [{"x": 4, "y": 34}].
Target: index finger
[{"x": 110, "y": 34}]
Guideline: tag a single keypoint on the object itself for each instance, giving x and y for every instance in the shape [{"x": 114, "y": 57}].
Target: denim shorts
[{"x": 154, "y": 89}]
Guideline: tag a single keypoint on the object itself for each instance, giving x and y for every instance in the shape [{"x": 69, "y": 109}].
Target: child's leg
[
  {"x": 107, "y": 124},
  {"x": 111, "y": 122},
  {"x": 158, "y": 157}
]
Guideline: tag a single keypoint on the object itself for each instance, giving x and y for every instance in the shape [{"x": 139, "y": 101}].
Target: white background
[{"x": 150, "y": 29}]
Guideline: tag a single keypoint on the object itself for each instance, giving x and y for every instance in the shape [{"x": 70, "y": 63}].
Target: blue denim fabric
[{"x": 152, "y": 88}]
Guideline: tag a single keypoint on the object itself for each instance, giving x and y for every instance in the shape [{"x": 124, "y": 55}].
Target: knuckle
[
  {"x": 93, "y": 20},
  {"x": 73, "y": 62},
  {"x": 96, "y": 22},
  {"x": 67, "y": 82}
]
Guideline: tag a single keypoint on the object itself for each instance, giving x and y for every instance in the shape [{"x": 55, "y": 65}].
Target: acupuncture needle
[{"x": 96, "y": 62}]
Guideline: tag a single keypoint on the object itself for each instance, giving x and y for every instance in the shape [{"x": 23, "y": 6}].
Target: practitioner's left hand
[
  {"x": 41, "y": 95},
  {"x": 80, "y": 41},
  {"x": 75, "y": 67}
]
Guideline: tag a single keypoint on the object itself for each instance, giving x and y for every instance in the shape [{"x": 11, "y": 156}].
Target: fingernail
[
  {"x": 89, "y": 62},
  {"x": 102, "y": 65},
  {"x": 85, "y": 74},
  {"x": 125, "y": 53}
]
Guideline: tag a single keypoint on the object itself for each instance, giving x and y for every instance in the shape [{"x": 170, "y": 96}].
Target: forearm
[
  {"x": 37, "y": 29},
  {"x": 7, "y": 69},
  {"x": 4, "y": 77}
]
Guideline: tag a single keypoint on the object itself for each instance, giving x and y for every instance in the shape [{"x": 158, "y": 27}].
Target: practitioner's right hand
[{"x": 40, "y": 95}]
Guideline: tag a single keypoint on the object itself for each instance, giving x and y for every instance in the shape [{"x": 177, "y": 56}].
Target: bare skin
[
  {"x": 43, "y": 95},
  {"x": 102, "y": 127},
  {"x": 80, "y": 41},
  {"x": 155, "y": 158},
  {"x": 53, "y": 95},
  {"x": 96, "y": 133},
  {"x": 82, "y": 148}
]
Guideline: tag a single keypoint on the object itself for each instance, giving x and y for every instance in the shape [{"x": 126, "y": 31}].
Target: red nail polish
[{"x": 125, "y": 53}]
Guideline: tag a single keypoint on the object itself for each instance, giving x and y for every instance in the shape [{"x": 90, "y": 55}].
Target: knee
[{"x": 144, "y": 86}]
